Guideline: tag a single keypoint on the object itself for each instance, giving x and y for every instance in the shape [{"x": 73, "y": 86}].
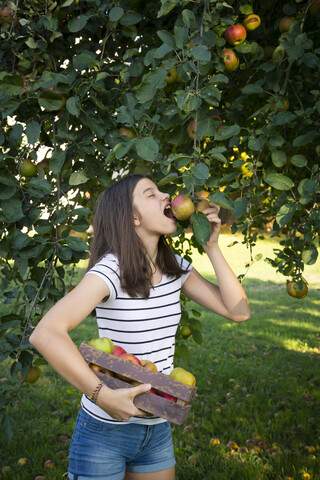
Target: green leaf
[
  {"x": 122, "y": 149},
  {"x": 115, "y": 14},
  {"x": 78, "y": 178},
  {"x": 211, "y": 94},
  {"x": 51, "y": 101},
  {"x": 41, "y": 184},
  {"x": 281, "y": 118},
  {"x": 201, "y": 53},
  {"x": 189, "y": 18},
  {"x": 166, "y": 7},
  {"x": 197, "y": 336},
  {"x": 167, "y": 38},
  {"x": 227, "y": 132},
  {"x": 239, "y": 207},
  {"x": 77, "y": 23},
  {"x": 73, "y": 105},
  {"x": 278, "y": 181},
  {"x": 12, "y": 84},
  {"x": 151, "y": 82},
  {"x": 305, "y": 139},
  {"x": 33, "y": 131},
  {"x": 310, "y": 255},
  {"x": 221, "y": 199},
  {"x": 12, "y": 210},
  {"x": 51, "y": 79},
  {"x": 180, "y": 36},
  {"x": 256, "y": 143},
  {"x": 84, "y": 60},
  {"x": 201, "y": 227},
  {"x": 76, "y": 244},
  {"x": 200, "y": 171},
  {"x": 15, "y": 135},
  {"x": 299, "y": 161},
  {"x": 253, "y": 88},
  {"x": 57, "y": 161},
  {"x": 285, "y": 214},
  {"x": 130, "y": 18},
  {"x": 279, "y": 158},
  {"x": 147, "y": 148}
]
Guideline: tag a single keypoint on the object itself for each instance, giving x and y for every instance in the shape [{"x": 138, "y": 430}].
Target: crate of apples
[{"x": 170, "y": 395}]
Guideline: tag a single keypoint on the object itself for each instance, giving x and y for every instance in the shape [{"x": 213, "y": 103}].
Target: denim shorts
[{"x": 104, "y": 451}]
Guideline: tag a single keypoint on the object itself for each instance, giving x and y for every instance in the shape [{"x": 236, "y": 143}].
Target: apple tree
[{"x": 214, "y": 96}]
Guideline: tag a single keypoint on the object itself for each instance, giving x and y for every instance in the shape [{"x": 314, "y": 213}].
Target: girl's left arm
[{"x": 228, "y": 298}]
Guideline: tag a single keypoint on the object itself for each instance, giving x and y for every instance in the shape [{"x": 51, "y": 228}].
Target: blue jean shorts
[{"x": 105, "y": 451}]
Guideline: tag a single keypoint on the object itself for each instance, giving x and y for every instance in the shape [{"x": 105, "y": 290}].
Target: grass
[{"x": 257, "y": 382}]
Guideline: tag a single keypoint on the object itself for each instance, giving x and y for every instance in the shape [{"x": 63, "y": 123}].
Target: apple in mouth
[{"x": 168, "y": 212}]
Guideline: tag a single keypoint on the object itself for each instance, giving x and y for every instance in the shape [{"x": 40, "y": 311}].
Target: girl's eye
[{"x": 151, "y": 195}]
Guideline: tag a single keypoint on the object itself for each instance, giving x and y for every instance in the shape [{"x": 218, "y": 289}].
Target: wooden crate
[{"x": 176, "y": 412}]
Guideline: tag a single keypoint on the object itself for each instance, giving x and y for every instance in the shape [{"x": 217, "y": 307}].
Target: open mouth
[{"x": 168, "y": 212}]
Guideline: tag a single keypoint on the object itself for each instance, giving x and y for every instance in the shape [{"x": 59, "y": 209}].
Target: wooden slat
[
  {"x": 159, "y": 381},
  {"x": 151, "y": 403}
]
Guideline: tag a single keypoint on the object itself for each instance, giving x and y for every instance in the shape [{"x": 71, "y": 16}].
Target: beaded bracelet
[{"x": 94, "y": 395}]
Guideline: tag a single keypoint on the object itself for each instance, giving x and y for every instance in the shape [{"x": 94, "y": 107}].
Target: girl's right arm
[{"x": 51, "y": 338}]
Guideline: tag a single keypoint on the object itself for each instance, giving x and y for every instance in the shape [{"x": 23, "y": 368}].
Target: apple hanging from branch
[
  {"x": 235, "y": 34},
  {"x": 231, "y": 60}
]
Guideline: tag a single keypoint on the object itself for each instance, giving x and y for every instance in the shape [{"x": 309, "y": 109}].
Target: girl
[{"x": 134, "y": 282}]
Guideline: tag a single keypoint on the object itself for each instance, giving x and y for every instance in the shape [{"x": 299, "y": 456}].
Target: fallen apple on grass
[{"x": 49, "y": 464}]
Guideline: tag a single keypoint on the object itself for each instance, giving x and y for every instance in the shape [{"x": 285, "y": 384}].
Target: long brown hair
[{"x": 114, "y": 232}]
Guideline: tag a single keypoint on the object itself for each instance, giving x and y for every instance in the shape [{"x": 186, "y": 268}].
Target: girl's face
[{"x": 152, "y": 211}]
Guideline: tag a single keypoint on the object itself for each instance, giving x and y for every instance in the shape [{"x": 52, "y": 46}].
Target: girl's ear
[{"x": 136, "y": 220}]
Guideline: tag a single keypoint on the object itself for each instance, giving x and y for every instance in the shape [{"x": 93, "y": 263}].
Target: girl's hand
[
  {"x": 212, "y": 214},
  {"x": 119, "y": 403}
]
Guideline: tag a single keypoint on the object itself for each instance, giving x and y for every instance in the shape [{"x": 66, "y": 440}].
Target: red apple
[
  {"x": 182, "y": 207},
  {"x": 251, "y": 22},
  {"x": 285, "y": 24},
  {"x": 168, "y": 397},
  {"x": 235, "y": 34},
  {"x": 231, "y": 60},
  {"x": 130, "y": 358},
  {"x": 49, "y": 464},
  {"x": 118, "y": 351}
]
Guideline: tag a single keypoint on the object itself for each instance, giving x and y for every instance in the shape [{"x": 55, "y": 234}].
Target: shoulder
[{"x": 107, "y": 263}]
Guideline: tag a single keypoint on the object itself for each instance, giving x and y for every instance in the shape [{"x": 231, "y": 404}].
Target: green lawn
[{"x": 256, "y": 415}]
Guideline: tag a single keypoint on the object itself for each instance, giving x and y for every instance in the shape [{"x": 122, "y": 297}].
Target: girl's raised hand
[{"x": 212, "y": 214}]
